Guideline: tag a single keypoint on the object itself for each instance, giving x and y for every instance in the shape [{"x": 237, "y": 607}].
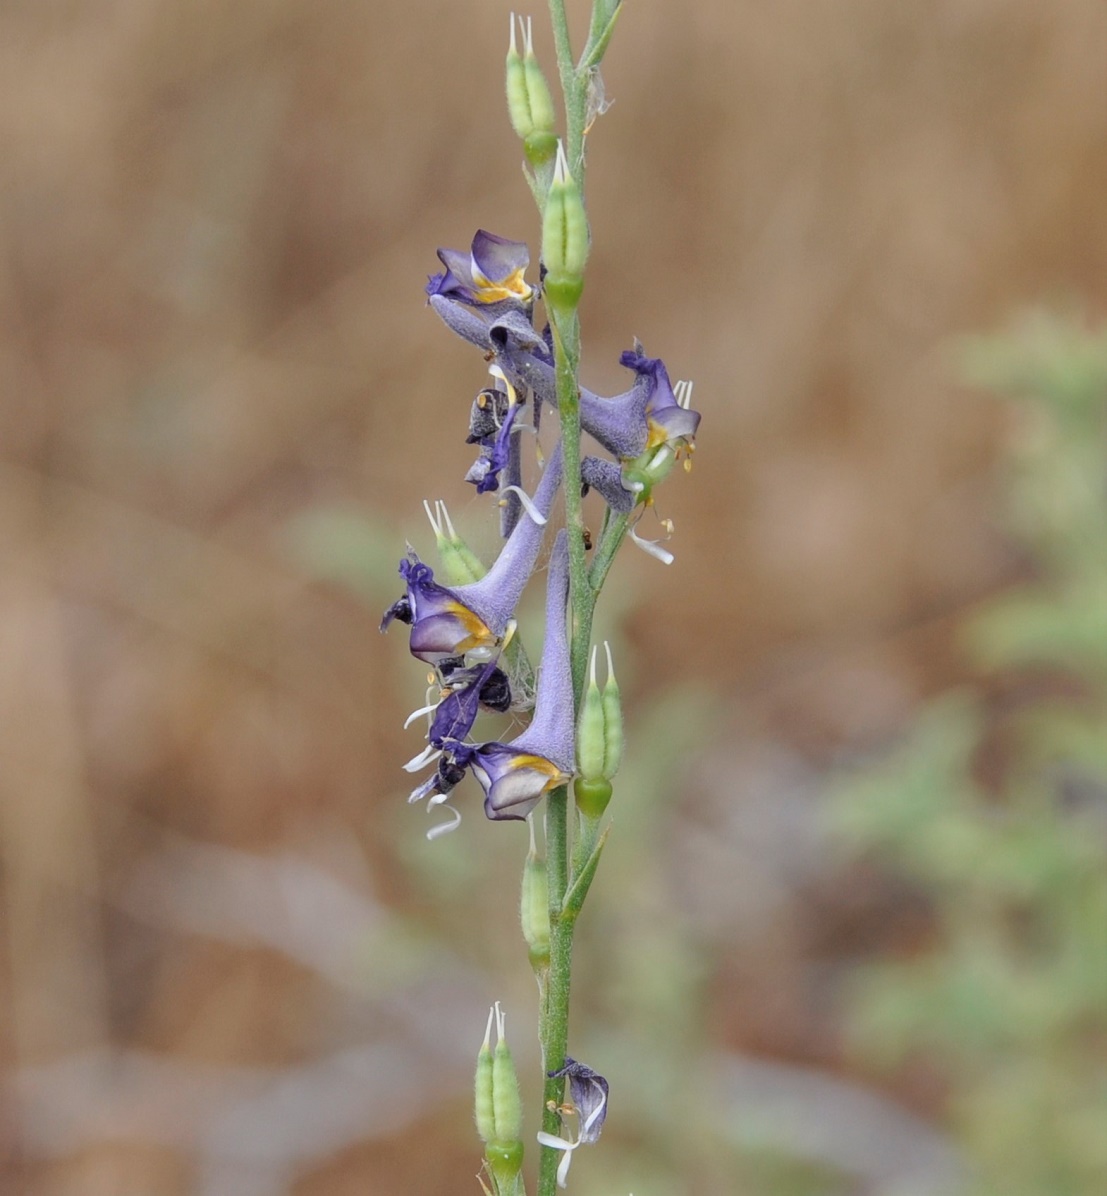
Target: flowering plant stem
[
  {"x": 554, "y": 1018},
  {"x": 465, "y": 630}
]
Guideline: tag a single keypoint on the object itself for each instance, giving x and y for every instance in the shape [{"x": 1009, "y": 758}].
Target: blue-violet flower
[
  {"x": 515, "y": 775},
  {"x": 451, "y": 622}
]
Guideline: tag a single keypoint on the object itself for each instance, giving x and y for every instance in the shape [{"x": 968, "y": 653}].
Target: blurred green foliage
[{"x": 995, "y": 812}]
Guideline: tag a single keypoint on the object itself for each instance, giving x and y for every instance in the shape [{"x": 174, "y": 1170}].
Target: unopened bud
[
  {"x": 564, "y": 239},
  {"x": 529, "y": 103},
  {"x": 534, "y": 907}
]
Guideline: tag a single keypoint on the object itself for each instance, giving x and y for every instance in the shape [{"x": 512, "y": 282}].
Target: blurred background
[{"x": 850, "y": 932}]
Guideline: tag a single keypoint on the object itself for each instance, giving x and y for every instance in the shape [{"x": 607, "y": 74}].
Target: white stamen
[
  {"x": 563, "y": 1145},
  {"x": 488, "y": 1028},
  {"x": 561, "y": 166},
  {"x": 437, "y": 527},
  {"x": 652, "y": 548},
  {"x": 416, "y": 763},
  {"x": 496, "y": 372},
  {"x": 444, "y": 516},
  {"x": 610, "y": 665},
  {"x": 419, "y": 713},
  {"x": 528, "y": 506},
  {"x": 444, "y": 828},
  {"x": 682, "y": 392}
]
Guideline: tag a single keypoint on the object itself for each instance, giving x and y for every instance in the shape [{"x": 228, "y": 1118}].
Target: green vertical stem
[
  {"x": 555, "y": 1023},
  {"x": 566, "y": 336},
  {"x": 573, "y": 87}
]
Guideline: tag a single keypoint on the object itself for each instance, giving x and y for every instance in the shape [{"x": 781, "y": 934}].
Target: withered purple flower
[
  {"x": 588, "y": 1092},
  {"x": 492, "y": 426}
]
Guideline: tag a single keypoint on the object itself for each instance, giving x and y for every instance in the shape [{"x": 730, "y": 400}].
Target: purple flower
[
  {"x": 516, "y": 775},
  {"x": 467, "y": 689},
  {"x": 492, "y": 272},
  {"x": 451, "y": 622},
  {"x": 606, "y": 478},
  {"x": 668, "y": 421},
  {"x": 646, "y": 416},
  {"x": 481, "y": 287}
]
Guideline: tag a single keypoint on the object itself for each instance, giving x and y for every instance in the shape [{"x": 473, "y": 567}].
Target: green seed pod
[
  {"x": 460, "y": 564},
  {"x": 612, "y": 721},
  {"x": 591, "y": 739},
  {"x": 565, "y": 241},
  {"x": 542, "y": 113},
  {"x": 529, "y": 103},
  {"x": 534, "y": 907},
  {"x": 518, "y": 102},
  {"x": 483, "y": 1088},
  {"x": 506, "y": 1103}
]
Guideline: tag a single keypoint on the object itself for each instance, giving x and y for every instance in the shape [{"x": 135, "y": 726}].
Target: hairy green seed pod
[
  {"x": 518, "y": 103},
  {"x": 529, "y": 103},
  {"x": 591, "y": 738},
  {"x": 460, "y": 564},
  {"x": 542, "y": 114},
  {"x": 483, "y": 1088},
  {"x": 534, "y": 909},
  {"x": 507, "y": 1105},
  {"x": 565, "y": 240},
  {"x": 612, "y": 722}
]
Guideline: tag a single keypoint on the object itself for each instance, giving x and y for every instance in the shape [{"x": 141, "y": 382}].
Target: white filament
[{"x": 528, "y": 505}]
